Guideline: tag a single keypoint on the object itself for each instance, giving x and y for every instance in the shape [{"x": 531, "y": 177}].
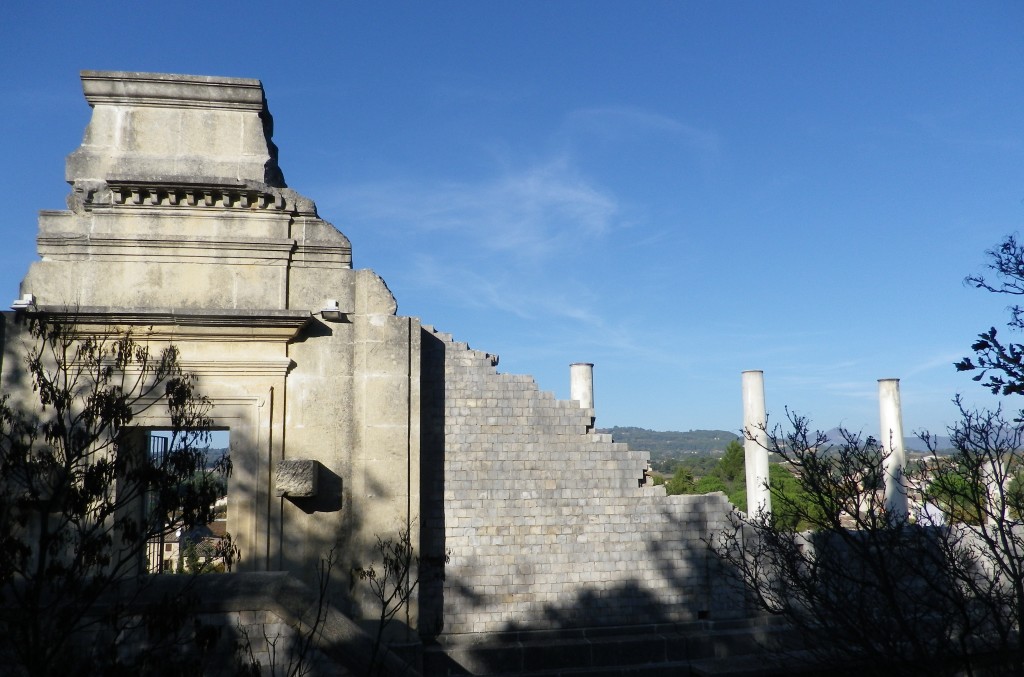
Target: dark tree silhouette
[
  {"x": 888, "y": 593},
  {"x": 939, "y": 591},
  {"x": 1002, "y": 362},
  {"x": 80, "y": 496}
]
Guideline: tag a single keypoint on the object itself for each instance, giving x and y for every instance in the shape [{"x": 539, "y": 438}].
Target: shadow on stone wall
[
  {"x": 701, "y": 616},
  {"x": 328, "y": 495},
  {"x": 693, "y": 585},
  {"x": 218, "y": 607},
  {"x": 432, "y": 540},
  {"x": 13, "y": 338}
]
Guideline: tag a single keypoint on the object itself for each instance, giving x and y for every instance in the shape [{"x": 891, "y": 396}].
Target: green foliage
[
  {"x": 732, "y": 466},
  {"x": 960, "y": 496},
  {"x": 738, "y": 497},
  {"x": 869, "y": 586},
  {"x": 190, "y": 562},
  {"x": 709, "y": 483},
  {"x": 698, "y": 465},
  {"x": 79, "y": 496},
  {"x": 704, "y": 475},
  {"x": 728, "y": 475},
  {"x": 668, "y": 448},
  {"x": 681, "y": 482},
  {"x": 671, "y": 441},
  {"x": 790, "y": 500},
  {"x": 1001, "y": 361},
  {"x": 1015, "y": 494},
  {"x": 951, "y": 595},
  {"x": 206, "y": 555}
]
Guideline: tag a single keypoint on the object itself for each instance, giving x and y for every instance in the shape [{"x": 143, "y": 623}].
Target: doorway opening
[{"x": 204, "y": 547}]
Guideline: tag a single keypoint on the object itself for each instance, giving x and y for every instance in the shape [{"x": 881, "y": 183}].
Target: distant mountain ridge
[
  {"x": 672, "y": 443},
  {"x": 912, "y": 443}
]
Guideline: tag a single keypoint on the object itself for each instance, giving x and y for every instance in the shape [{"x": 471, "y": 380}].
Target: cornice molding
[
  {"x": 265, "y": 251},
  {"x": 168, "y": 195},
  {"x": 172, "y": 192},
  {"x": 118, "y": 88},
  {"x": 171, "y": 324},
  {"x": 275, "y": 367}
]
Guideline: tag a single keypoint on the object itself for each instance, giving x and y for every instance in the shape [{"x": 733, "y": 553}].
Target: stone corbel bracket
[{"x": 296, "y": 478}]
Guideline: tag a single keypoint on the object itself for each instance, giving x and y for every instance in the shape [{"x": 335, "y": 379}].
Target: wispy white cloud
[
  {"x": 573, "y": 315},
  {"x": 944, "y": 361},
  {"x": 471, "y": 288},
  {"x": 531, "y": 212},
  {"x": 514, "y": 241},
  {"x": 836, "y": 382},
  {"x": 618, "y": 122}
]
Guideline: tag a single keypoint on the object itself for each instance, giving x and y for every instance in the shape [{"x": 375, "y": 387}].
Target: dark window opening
[{"x": 203, "y": 548}]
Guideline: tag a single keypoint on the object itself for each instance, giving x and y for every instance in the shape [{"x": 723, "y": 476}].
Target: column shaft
[
  {"x": 755, "y": 443},
  {"x": 891, "y": 439}
]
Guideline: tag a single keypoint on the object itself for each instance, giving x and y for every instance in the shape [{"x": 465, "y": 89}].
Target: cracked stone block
[{"x": 296, "y": 478}]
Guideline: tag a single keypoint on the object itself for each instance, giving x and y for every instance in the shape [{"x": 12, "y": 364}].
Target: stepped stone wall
[
  {"x": 181, "y": 229},
  {"x": 547, "y": 524}
]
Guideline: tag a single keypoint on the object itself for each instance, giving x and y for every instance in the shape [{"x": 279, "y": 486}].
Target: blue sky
[{"x": 675, "y": 191}]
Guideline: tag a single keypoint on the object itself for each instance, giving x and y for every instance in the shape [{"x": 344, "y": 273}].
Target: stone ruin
[{"x": 348, "y": 421}]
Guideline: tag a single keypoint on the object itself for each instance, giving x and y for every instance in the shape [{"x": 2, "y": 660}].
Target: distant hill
[
  {"x": 215, "y": 454},
  {"x": 670, "y": 446},
  {"x": 913, "y": 443},
  {"x": 672, "y": 443}
]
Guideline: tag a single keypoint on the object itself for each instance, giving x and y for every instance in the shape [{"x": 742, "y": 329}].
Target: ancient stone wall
[
  {"x": 217, "y": 624},
  {"x": 181, "y": 229},
  {"x": 547, "y": 524}
]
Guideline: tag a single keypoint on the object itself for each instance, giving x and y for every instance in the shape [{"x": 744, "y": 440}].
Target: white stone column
[
  {"x": 891, "y": 439},
  {"x": 997, "y": 483},
  {"x": 581, "y": 386},
  {"x": 755, "y": 443}
]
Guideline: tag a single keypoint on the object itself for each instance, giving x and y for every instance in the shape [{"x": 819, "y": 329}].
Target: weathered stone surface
[
  {"x": 184, "y": 129},
  {"x": 549, "y": 526},
  {"x": 180, "y": 227},
  {"x": 296, "y": 478}
]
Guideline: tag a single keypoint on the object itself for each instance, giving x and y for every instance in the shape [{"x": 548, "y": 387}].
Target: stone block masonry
[
  {"x": 181, "y": 228},
  {"x": 547, "y": 524}
]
